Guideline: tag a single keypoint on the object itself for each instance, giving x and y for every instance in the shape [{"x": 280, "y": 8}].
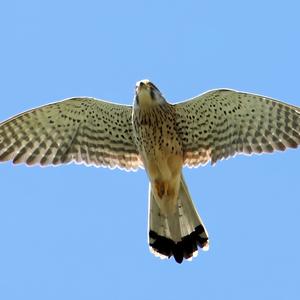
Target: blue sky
[{"x": 81, "y": 233}]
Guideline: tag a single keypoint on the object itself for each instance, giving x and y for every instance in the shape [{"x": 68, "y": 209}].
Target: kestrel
[{"x": 158, "y": 136}]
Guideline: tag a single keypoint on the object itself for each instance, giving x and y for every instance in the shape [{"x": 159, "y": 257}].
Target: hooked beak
[{"x": 143, "y": 84}]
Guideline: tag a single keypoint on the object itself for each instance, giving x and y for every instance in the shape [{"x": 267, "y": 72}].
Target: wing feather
[
  {"x": 222, "y": 123},
  {"x": 81, "y": 130}
]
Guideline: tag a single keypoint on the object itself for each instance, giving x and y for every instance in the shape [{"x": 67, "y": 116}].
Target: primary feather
[
  {"x": 222, "y": 123},
  {"x": 81, "y": 130}
]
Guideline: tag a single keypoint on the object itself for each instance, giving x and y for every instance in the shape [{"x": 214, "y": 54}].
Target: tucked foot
[{"x": 161, "y": 188}]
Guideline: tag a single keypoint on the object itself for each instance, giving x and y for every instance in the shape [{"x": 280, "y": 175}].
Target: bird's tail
[{"x": 179, "y": 234}]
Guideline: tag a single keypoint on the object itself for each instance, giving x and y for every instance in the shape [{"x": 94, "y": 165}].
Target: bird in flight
[{"x": 158, "y": 136}]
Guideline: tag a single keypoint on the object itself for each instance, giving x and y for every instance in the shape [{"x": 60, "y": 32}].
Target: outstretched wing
[
  {"x": 222, "y": 123},
  {"x": 83, "y": 130}
]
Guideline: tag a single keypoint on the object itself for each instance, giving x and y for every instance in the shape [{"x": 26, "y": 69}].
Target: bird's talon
[{"x": 161, "y": 188}]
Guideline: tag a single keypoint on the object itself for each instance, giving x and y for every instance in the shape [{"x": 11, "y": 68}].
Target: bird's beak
[{"x": 141, "y": 85}]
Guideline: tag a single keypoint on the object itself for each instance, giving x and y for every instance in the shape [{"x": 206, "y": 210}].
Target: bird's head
[{"x": 147, "y": 94}]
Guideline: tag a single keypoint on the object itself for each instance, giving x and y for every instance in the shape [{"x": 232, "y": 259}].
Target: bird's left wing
[
  {"x": 221, "y": 123},
  {"x": 83, "y": 130}
]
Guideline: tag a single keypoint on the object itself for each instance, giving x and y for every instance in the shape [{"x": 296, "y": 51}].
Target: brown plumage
[{"x": 159, "y": 136}]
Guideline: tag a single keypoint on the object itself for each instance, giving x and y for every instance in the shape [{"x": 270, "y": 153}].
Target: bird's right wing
[
  {"x": 83, "y": 130},
  {"x": 222, "y": 123}
]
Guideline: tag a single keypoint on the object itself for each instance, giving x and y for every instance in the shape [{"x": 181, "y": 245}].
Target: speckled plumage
[
  {"x": 83, "y": 130},
  {"x": 222, "y": 123},
  {"x": 159, "y": 136},
  {"x": 156, "y": 128}
]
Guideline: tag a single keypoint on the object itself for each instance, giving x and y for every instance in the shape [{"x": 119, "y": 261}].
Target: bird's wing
[
  {"x": 221, "y": 123},
  {"x": 81, "y": 130}
]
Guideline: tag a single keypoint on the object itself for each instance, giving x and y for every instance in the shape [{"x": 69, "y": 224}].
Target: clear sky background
[{"x": 74, "y": 232}]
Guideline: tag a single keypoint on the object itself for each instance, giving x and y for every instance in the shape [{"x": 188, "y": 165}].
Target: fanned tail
[{"x": 179, "y": 234}]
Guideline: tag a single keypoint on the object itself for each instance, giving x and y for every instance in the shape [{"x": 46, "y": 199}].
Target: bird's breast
[{"x": 155, "y": 131}]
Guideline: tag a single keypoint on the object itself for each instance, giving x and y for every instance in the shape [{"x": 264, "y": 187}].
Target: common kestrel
[{"x": 159, "y": 137}]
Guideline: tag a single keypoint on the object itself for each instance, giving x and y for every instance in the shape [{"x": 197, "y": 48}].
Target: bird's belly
[
  {"x": 161, "y": 163},
  {"x": 164, "y": 171},
  {"x": 161, "y": 151}
]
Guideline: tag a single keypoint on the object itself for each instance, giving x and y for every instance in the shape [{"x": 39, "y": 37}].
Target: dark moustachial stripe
[{"x": 152, "y": 94}]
